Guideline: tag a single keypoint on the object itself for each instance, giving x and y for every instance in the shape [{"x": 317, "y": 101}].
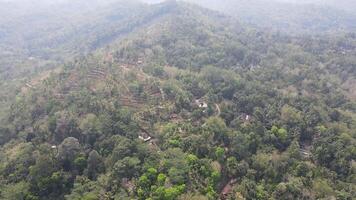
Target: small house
[
  {"x": 139, "y": 61},
  {"x": 201, "y": 104},
  {"x": 144, "y": 137},
  {"x": 246, "y": 117}
]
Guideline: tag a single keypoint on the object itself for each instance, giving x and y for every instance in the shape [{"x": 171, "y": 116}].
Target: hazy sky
[{"x": 347, "y": 5}]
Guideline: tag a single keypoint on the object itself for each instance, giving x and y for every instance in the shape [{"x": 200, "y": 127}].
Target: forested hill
[
  {"x": 292, "y": 17},
  {"x": 188, "y": 104},
  {"x": 37, "y": 36}
]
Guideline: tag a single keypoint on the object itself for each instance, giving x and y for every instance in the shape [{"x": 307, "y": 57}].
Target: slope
[
  {"x": 189, "y": 105},
  {"x": 36, "y": 37}
]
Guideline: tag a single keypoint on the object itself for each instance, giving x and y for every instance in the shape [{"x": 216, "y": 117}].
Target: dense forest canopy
[{"x": 162, "y": 101}]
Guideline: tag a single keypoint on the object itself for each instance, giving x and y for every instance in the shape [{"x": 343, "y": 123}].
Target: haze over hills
[
  {"x": 288, "y": 16},
  {"x": 129, "y": 100},
  {"x": 349, "y": 5},
  {"x": 36, "y": 36}
]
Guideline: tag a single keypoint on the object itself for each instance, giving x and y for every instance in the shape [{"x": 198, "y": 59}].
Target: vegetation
[{"x": 188, "y": 105}]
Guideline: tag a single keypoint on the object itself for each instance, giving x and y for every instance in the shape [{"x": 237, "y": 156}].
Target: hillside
[
  {"x": 36, "y": 37},
  {"x": 292, "y": 17},
  {"x": 186, "y": 103}
]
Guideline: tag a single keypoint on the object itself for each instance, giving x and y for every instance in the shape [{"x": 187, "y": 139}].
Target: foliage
[{"x": 198, "y": 107}]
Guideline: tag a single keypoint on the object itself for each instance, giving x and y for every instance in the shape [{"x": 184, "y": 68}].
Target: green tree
[
  {"x": 95, "y": 164},
  {"x": 232, "y": 166},
  {"x": 161, "y": 179},
  {"x": 220, "y": 154},
  {"x": 127, "y": 168},
  {"x": 80, "y": 163},
  {"x": 91, "y": 127},
  {"x": 16, "y": 191},
  {"x": 217, "y": 127},
  {"x": 68, "y": 151}
]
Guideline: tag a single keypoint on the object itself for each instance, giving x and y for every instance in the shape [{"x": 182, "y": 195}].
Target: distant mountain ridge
[{"x": 285, "y": 16}]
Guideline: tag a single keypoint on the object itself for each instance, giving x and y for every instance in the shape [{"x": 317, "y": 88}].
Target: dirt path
[{"x": 218, "y": 110}]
